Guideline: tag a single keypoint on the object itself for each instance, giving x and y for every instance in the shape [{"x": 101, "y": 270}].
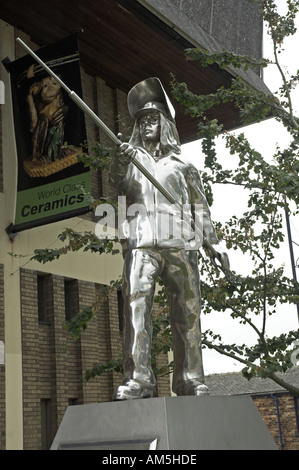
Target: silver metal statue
[
  {"x": 153, "y": 247},
  {"x": 160, "y": 236}
]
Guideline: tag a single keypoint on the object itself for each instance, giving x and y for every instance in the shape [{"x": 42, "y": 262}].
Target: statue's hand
[
  {"x": 219, "y": 260},
  {"x": 125, "y": 152},
  {"x": 34, "y": 89}
]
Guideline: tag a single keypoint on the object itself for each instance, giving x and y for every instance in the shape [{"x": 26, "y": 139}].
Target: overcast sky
[{"x": 231, "y": 201}]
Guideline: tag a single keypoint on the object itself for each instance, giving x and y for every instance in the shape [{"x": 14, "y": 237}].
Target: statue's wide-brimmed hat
[{"x": 149, "y": 94}]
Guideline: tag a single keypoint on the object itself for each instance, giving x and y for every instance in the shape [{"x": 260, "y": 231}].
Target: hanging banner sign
[{"x": 50, "y": 131}]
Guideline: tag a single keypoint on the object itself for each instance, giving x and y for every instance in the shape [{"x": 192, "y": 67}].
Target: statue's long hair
[{"x": 169, "y": 137}]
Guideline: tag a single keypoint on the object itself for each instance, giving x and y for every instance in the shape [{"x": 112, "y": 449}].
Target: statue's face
[
  {"x": 149, "y": 125},
  {"x": 49, "y": 89}
]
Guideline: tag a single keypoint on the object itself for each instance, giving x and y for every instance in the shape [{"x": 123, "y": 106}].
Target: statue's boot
[
  {"x": 132, "y": 389},
  {"x": 191, "y": 387}
]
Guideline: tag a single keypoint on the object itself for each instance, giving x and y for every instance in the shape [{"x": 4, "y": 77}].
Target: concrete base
[{"x": 168, "y": 423}]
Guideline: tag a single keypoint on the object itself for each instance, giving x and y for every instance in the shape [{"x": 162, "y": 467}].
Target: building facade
[{"x": 41, "y": 369}]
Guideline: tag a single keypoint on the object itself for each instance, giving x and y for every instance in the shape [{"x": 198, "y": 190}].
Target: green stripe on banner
[{"x": 52, "y": 199}]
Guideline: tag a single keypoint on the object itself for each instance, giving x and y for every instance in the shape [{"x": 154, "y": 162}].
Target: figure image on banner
[{"x": 47, "y": 114}]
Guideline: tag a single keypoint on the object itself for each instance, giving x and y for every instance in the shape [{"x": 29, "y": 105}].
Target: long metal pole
[{"x": 291, "y": 252}]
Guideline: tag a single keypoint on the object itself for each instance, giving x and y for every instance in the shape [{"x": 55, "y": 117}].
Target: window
[
  {"x": 44, "y": 295},
  {"x": 73, "y": 401},
  {"x": 120, "y": 302},
  {"x": 296, "y": 400},
  {"x": 1, "y": 155},
  {"x": 2, "y": 354},
  {"x": 70, "y": 298},
  {"x": 45, "y": 424}
]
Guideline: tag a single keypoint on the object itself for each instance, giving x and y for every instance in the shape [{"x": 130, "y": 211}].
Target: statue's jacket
[{"x": 150, "y": 219}]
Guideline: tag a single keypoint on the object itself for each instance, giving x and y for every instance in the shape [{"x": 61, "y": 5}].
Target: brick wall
[
  {"x": 53, "y": 363},
  {"x": 163, "y": 381},
  {"x": 287, "y": 414},
  {"x": 90, "y": 96},
  {"x": 2, "y": 366},
  {"x": 30, "y": 359},
  {"x": 38, "y": 359},
  {"x": 68, "y": 365},
  {"x": 1, "y": 151},
  {"x": 111, "y": 105},
  {"x": 94, "y": 341}
]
